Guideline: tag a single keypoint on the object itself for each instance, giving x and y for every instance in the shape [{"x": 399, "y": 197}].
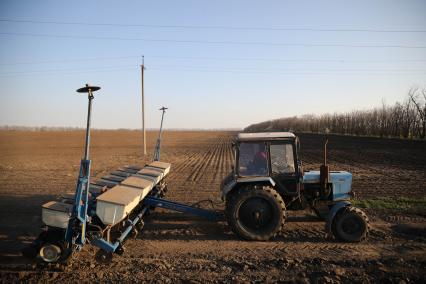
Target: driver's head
[{"x": 261, "y": 154}]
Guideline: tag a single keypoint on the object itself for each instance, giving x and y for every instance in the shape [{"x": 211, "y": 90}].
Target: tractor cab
[
  {"x": 270, "y": 157},
  {"x": 266, "y": 154}
]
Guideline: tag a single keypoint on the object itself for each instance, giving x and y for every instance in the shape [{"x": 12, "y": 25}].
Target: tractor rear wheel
[
  {"x": 351, "y": 225},
  {"x": 255, "y": 212}
]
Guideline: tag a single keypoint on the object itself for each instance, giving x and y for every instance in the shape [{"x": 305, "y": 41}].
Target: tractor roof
[{"x": 265, "y": 136}]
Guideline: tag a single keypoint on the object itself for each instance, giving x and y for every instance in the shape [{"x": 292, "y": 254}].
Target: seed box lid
[
  {"x": 161, "y": 165},
  {"x": 58, "y": 206},
  {"x": 150, "y": 172},
  {"x": 138, "y": 181},
  {"x": 121, "y": 195}
]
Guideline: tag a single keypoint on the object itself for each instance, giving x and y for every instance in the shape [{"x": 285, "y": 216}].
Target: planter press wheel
[{"x": 103, "y": 257}]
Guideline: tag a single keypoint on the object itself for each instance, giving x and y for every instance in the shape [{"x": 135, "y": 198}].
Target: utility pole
[{"x": 143, "y": 107}]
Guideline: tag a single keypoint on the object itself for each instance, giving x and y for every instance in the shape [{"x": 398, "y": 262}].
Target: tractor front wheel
[
  {"x": 255, "y": 212},
  {"x": 350, "y": 224}
]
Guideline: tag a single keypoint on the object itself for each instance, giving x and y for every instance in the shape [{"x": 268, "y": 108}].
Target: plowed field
[{"x": 36, "y": 167}]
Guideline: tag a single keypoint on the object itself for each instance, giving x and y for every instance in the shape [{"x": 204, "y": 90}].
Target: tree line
[{"x": 405, "y": 119}]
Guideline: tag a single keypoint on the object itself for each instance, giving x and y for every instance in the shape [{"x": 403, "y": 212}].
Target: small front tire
[{"x": 350, "y": 225}]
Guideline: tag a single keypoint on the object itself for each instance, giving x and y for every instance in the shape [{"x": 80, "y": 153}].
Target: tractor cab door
[
  {"x": 284, "y": 167},
  {"x": 252, "y": 159}
]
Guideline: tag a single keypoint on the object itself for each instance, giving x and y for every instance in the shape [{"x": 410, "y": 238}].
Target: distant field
[{"x": 389, "y": 176}]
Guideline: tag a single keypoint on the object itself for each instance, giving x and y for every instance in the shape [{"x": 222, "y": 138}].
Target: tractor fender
[
  {"x": 332, "y": 213},
  {"x": 228, "y": 187}
]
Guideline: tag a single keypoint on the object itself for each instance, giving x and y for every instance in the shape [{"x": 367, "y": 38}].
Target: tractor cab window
[
  {"x": 282, "y": 159},
  {"x": 253, "y": 159}
]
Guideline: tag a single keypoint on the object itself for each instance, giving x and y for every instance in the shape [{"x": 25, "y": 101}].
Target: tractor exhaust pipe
[{"x": 324, "y": 169}]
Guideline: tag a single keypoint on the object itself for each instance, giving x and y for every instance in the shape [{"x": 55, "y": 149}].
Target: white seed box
[
  {"x": 164, "y": 167},
  {"x": 116, "y": 204},
  {"x": 140, "y": 183},
  {"x": 56, "y": 214}
]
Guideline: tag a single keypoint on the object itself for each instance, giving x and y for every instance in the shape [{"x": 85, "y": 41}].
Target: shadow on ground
[{"x": 20, "y": 223}]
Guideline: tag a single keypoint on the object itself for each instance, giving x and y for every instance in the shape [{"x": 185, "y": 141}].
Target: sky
[{"x": 214, "y": 64}]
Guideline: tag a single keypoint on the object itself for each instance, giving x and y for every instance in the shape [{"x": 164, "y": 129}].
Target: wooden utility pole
[{"x": 143, "y": 108}]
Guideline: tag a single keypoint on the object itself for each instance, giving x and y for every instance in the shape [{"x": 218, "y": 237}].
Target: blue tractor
[{"x": 268, "y": 179}]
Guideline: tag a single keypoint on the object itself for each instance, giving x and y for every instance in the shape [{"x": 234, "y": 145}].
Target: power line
[
  {"x": 214, "y": 42},
  {"x": 198, "y": 27},
  {"x": 361, "y": 73},
  {"x": 70, "y": 70},
  {"x": 212, "y": 59},
  {"x": 65, "y": 73},
  {"x": 67, "y": 60},
  {"x": 288, "y": 69},
  {"x": 222, "y": 71},
  {"x": 284, "y": 59},
  {"x": 276, "y": 71}
]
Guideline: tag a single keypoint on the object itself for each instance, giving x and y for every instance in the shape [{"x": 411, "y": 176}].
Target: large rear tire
[
  {"x": 255, "y": 212},
  {"x": 350, "y": 225}
]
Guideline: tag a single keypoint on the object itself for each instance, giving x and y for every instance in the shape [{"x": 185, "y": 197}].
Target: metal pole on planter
[
  {"x": 76, "y": 230},
  {"x": 158, "y": 145},
  {"x": 89, "y": 90},
  {"x": 143, "y": 106}
]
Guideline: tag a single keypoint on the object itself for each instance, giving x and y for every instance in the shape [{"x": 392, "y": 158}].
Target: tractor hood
[{"x": 341, "y": 180}]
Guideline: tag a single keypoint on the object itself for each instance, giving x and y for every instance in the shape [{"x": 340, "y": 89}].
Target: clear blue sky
[{"x": 215, "y": 64}]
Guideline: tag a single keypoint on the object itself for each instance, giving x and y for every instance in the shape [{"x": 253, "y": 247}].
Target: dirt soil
[{"x": 36, "y": 167}]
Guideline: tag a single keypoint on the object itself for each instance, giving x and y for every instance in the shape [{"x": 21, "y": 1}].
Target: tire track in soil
[
  {"x": 230, "y": 161},
  {"x": 222, "y": 168},
  {"x": 331, "y": 249},
  {"x": 183, "y": 164},
  {"x": 198, "y": 165},
  {"x": 404, "y": 219},
  {"x": 198, "y": 175},
  {"x": 216, "y": 163},
  {"x": 206, "y": 162}
]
